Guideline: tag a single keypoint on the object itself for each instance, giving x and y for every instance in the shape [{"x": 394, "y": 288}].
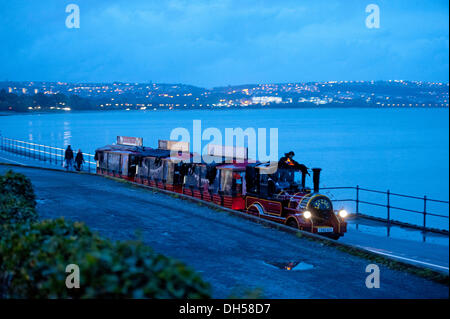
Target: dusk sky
[{"x": 221, "y": 42}]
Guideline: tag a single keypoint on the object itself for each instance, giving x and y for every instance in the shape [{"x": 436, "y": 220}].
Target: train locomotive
[{"x": 266, "y": 190}]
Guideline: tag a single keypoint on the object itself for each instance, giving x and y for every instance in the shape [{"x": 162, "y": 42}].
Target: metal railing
[
  {"x": 388, "y": 206},
  {"x": 45, "y": 153}
]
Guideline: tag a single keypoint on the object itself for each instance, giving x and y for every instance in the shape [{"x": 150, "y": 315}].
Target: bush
[
  {"x": 34, "y": 256},
  {"x": 17, "y": 199},
  {"x": 17, "y": 184},
  {"x": 15, "y": 209}
]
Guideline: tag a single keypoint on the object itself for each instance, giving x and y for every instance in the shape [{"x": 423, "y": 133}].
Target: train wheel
[
  {"x": 292, "y": 223},
  {"x": 257, "y": 211}
]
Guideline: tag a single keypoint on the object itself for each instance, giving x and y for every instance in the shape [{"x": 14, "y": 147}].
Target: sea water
[{"x": 403, "y": 150}]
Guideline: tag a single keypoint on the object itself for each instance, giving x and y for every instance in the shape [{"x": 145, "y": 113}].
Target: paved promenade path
[
  {"x": 231, "y": 253},
  {"x": 404, "y": 244}
]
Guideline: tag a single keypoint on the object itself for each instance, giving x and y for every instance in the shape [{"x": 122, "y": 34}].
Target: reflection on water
[
  {"x": 67, "y": 133},
  {"x": 30, "y": 131},
  {"x": 382, "y": 229}
]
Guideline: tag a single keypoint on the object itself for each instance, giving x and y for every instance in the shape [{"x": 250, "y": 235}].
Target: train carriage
[
  {"x": 231, "y": 185},
  {"x": 151, "y": 169},
  {"x": 118, "y": 161}
]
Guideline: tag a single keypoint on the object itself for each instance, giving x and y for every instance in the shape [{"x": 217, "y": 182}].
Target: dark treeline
[{"x": 21, "y": 103}]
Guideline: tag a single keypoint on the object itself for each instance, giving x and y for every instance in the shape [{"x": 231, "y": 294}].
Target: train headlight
[
  {"x": 307, "y": 214},
  {"x": 343, "y": 213}
]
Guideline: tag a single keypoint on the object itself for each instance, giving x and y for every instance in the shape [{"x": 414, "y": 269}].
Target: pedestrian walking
[
  {"x": 79, "y": 160},
  {"x": 68, "y": 157}
]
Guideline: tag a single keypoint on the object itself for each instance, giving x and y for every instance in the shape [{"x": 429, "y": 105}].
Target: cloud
[{"x": 221, "y": 42}]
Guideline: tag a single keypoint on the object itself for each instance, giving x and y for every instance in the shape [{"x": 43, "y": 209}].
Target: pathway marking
[
  {"x": 9, "y": 160},
  {"x": 404, "y": 258}
]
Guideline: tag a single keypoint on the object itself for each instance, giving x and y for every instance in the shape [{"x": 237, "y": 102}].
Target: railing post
[
  {"x": 388, "y": 206},
  {"x": 424, "y": 212},
  {"x": 357, "y": 200}
]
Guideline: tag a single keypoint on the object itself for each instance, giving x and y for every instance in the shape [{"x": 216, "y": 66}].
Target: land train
[{"x": 260, "y": 189}]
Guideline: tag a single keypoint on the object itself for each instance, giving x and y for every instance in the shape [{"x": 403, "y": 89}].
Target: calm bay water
[{"x": 404, "y": 150}]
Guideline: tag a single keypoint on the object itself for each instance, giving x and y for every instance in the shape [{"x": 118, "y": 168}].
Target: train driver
[{"x": 287, "y": 161}]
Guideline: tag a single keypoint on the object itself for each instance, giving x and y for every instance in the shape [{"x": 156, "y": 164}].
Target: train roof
[
  {"x": 267, "y": 168},
  {"x": 221, "y": 162},
  {"x": 135, "y": 150},
  {"x": 235, "y": 166}
]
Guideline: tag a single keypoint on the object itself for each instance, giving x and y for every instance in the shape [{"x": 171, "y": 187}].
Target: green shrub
[
  {"x": 17, "y": 184},
  {"x": 15, "y": 209},
  {"x": 33, "y": 258},
  {"x": 17, "y": 199}
]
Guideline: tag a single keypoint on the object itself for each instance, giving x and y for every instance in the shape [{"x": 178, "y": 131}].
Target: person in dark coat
[
  {"x": 287, "y": 162},
  {"x": 79, "y": 160},
  {"x": 68, "y": 157}
]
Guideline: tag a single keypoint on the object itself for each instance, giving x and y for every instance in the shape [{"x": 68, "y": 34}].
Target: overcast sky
[{"x": 221, "y": 42}]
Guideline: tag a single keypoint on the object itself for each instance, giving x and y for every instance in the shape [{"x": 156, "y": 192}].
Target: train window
[
  {"x": 124, "y": 166},
  {"x": 226, "y": 181},
  {"x": 192, "y": 179},
  {"x": 171, "y": 172},
  {"x": 156, "y": 171},
  {"x": 217, "y": 180},
  {"x": 204, "y": 182},
  {"x": 102, "y": 163},
  {"x": 285, "y": 175},
  {"x": 114, "y": 162},
  {"x": 132, "y": 161},
  {"x": 143, "y": 169},
  {"x": 239, "y": 183},
  {"x": 298, "y": 177}
]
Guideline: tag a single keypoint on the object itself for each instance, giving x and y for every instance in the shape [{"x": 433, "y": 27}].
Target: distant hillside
[{"x": 43, "y": 96}]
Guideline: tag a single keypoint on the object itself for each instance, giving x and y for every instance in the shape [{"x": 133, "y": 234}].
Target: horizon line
[{"x": 229, "y": 85}]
